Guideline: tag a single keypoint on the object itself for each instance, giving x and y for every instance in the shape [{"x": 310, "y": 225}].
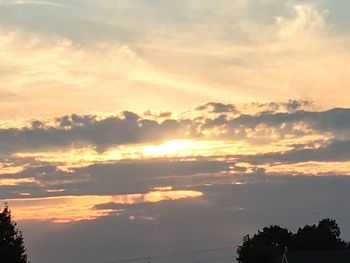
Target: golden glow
[
  {"x": 66, "y": 209},
  {"x": 171, "y": 148},
  {"x": 13, "y": 182},
  {"x": 69, "y": 159},
  {"x": 310, "y": 168},
  {"x": 10, "y": 169},
  {"x": 163, "y": 188}
]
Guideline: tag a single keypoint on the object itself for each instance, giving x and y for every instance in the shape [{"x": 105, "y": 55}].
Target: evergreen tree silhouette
[{"x": 12, "y": 249}]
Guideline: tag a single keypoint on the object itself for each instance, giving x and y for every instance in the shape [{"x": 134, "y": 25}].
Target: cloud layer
[{"x": 212, "y": 121}]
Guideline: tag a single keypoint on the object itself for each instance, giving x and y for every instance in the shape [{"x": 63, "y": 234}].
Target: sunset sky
[{"x": 136, "y": 128}]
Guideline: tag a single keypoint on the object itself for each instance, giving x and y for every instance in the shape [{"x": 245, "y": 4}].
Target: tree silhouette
[
  {"x": 12, "y": 248},
  {"x": 324, "y": 236},
  {"x": 264, "y": 247},
  {"x": 268, "y": 245}
]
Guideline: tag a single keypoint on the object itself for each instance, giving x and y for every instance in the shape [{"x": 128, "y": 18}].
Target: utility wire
[
  {"x": 171, "y": 255},
  {"x": 178, "y": 244},
  {"x": 211, "y": 260}
]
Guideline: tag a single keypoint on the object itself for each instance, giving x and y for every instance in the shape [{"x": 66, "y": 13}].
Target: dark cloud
[
  {"x": 334, "y": 122},
  {"x": 165, "y": 114},
  {"x": 215, "y": 107},
  {"x": 124, "y": 177},
  {"x": 334, "y": 151},
  {"x": 289, "y": 106},
  {"x": 293, "y": 105},
  {"x": 76, "y": 131}
]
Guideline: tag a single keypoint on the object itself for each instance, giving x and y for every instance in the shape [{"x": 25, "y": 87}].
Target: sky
[{"x": 171, "y": 129}]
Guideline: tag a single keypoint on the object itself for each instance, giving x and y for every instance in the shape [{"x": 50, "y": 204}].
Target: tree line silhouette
[{"x": 269, "y": 244}]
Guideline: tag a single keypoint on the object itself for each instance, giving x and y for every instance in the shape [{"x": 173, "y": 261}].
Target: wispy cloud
[
  {"x": 148, "y": 65},
  {"x": 67, "y": 209},
  {"x": 38, "y": 3}
]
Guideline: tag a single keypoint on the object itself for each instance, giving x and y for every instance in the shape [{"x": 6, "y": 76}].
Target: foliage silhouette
[
  {"x": 12, "y": 249},
  {"x": 268, "y": 245},
  {"x": 324, "y": 236}
]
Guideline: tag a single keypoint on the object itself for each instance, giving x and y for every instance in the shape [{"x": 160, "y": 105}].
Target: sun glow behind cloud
[
  {"x": 77, "y": 157},
  {"x": 171, "y": 148}
]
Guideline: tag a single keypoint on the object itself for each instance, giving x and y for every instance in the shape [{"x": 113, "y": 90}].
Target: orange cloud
[{"x": 66, "y": 209}]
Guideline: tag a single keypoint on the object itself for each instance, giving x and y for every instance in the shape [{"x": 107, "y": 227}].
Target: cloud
[
  {"x": 6, "y": 96},
  {"x": 308, "y": 20},
  {"x": 128, "y": 128},
  {"x": 289, "y": 106},
  {"x": 75, "y": 131},
  {"x": 265, "y": 66},
  {"x": 53, "y": 72},
  {"x": 333, "y": 151},
  {"x": 215, "y": 107},
  {"x": 332, "y": 121},
  {"x": 38, "y": 3},
  {"x": 112, "y": 178},
  {"x": 136, "y": 66},
  {"x": 66, "y": 209}
]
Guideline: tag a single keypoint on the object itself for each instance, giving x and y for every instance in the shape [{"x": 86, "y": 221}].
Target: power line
[
  {"x": 171, "y": 255},
  {"x": 211, "y": 260},
  {"x": 178, "y": 244}
]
